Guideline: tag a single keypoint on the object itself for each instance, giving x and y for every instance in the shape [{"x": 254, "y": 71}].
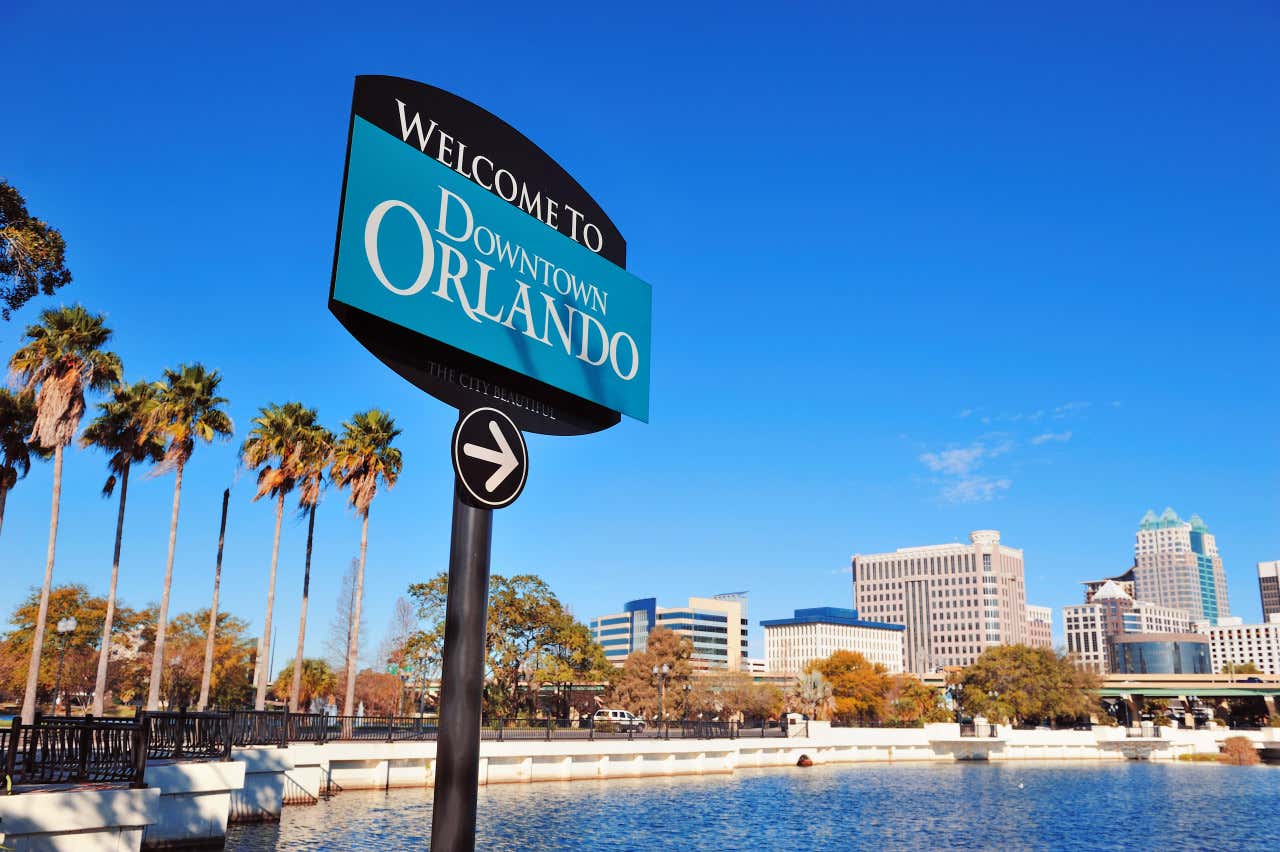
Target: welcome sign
[{"x": 476, "y": 267}]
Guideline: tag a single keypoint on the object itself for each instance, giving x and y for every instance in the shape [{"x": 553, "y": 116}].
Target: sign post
[
  {"x": 453, "y": 814},
  {"x": 477, "y": 268}
]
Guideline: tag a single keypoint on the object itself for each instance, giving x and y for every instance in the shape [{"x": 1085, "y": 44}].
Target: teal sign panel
[{"x": 429, "y": 250}]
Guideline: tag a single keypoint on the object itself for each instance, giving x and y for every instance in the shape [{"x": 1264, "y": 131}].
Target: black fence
[
  {"x": 85, "y": 749},
  {"x": 76, "y": 750}
]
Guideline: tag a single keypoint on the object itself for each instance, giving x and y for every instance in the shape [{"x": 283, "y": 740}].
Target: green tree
[
  {"x": 186, "y": 409},
  {"x": 32, "y": 254},
  {"x": 317, "y": 681},
  {"x": 1018, "y": 683},
  {"x": 17, "y": 419},
  {"x": 274, "y": 444},
  {"x": 912, "y": 702},
  {"x": 121, "y": 430},
  {"x": 571, "y": 657},
  {"x": 314, "y": 455},
  {"x": 363, "y": 458},
  {"x": 1246, "y": 668},
  {"x": 530, "y": 639},
  {"x": 63, "y": 357},
  {"x": 858, "y": 686}
]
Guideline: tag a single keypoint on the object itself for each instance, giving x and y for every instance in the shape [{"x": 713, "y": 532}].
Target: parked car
[{"x": 616, "y": 720}]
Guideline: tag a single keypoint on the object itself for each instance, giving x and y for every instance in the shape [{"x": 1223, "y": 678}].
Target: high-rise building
[
  {"x": 1176, "y": 564},
  {"x": 955, "y": 600},
  {"x": 1039, "y": 626},
  {"x": 1231, "y": 641},
  {"x": 790, "y": 644},
  {"x": 1269, "y": 588},
  {"x": 1093, "y": 628},
  {"x": 1124, "y": 581},
  {"x": 717, "y": 626}
]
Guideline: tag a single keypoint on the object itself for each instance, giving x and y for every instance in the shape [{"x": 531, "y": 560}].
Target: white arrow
[{"x": 502, "y": 457}]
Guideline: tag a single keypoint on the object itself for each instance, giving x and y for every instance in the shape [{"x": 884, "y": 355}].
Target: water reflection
[{"x": 999, "y": 806}]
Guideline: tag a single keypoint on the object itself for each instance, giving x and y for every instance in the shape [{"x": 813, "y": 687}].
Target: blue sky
[{"x": 915, "y": 272}]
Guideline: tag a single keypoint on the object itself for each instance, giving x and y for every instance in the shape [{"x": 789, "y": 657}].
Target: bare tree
[
  {"x": 339, "y": 640},
  {"x": 404, "y": 624}
]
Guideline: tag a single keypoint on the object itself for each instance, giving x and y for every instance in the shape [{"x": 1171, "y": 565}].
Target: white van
[{"x": 617, "y": 720}]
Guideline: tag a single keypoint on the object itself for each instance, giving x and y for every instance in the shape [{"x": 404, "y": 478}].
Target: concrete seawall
[
  {"x": 316, "y": 770},
  {"x": 188, "y": 805}
]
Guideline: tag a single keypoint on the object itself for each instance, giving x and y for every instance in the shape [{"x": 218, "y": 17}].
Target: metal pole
[
  {"x": 453, "y": 821},
  {"x": 57, "y": 686}
]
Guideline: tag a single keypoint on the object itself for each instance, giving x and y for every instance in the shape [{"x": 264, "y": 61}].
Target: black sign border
[
  {"x": 409, "y": 353},
  {"x": 465, "y": 489}
]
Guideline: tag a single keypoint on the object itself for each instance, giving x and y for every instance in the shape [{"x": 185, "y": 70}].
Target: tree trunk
[
  {"x": 296, "y": 690},
  {"x": 348, "y": 707},
  {"x": 4, "y": 495},
  {"x": 207, "y": 676},
  {"x": 157, "y": 659},
  {"x": 37, "y": 638},
  {"x": 260, "y": 702},
  {"x": 104, "y": 653}
]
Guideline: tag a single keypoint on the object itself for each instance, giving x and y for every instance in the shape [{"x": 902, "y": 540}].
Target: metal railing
[
  {"x": 187, "y": 736},
  {"x": 76, "y": 750}
]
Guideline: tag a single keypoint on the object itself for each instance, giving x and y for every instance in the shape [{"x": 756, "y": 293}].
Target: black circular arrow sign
[{"x": 490, "y": 458}]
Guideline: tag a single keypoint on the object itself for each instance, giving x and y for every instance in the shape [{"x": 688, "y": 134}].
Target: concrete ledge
[
  {"x": 76, "y": 820},
  {"x": 195, "y": 803}
]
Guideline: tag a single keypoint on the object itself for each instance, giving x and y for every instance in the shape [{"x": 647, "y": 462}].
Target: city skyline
[{"x": 856, "y": 414}]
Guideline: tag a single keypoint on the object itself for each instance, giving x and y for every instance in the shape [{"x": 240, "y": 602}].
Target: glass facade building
[
  {"x": 1156, "y": 653},
  {"x": 716, "y": 626}
]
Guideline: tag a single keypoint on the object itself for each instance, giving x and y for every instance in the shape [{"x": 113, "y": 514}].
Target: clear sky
[{"x": 915, "y": 272}]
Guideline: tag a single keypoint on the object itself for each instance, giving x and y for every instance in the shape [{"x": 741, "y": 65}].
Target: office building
[
  {"x": 1157, "y": 653},
  {"x": 1124, "y": 581},
  {"x": 755, "y": 666},
  {"x": 1092, "y": 628},
  {"x": 954, "y": 600},
  {"x": 790, "y": 644},
  {"x": 1039, "y": 626},
  {"x": 1176, "y": 564},
  {"x": 717, "y": 626},
  {"x": 1234, "y": 643},
  {"x": 1269, "y": 588}
]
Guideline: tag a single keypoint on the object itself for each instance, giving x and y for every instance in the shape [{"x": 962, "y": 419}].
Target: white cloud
[
  {"x": 1061, "y": 437},
  {"x": 955, "y": 462},
  {"x": 1066, "y": 408},
  {"x": 975, "y": 489}
]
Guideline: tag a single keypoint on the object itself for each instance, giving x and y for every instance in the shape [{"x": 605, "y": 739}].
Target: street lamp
[
  {"x": 661, "y": 674},
  {"x": 66, "y": 627},
  {"x": 688, "y": 688}
]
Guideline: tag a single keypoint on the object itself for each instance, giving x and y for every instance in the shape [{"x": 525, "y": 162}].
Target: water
[{"x": 1127, "y": 805}]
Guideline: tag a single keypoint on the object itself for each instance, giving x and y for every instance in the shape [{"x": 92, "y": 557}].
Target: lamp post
[
  {"x": 660, "y": 672},
  {"x": 66, "y": 627},
  {"x": 688, "y": 688}
]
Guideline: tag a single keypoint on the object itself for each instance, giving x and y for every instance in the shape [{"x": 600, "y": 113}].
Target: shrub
[
  {"x": 1201, "y": 757},
  {"x": 1239, "y": 751},
  {"x": 1273, "y": 721}
]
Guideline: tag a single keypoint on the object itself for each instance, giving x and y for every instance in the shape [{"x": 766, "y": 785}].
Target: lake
[{"x": 874, "y": 806}]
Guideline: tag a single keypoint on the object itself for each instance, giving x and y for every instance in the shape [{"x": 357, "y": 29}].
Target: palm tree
[
  {"x": 315, "y": 453},
  {"x": 17, "y": 417},
  {"x": 362, "y": 457},
  {"x": 121, "y": 430},
  {"x": 274, "y": 446},
  {"x": 63, "y": 357},
  {"x": 186, "y": 408}
]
